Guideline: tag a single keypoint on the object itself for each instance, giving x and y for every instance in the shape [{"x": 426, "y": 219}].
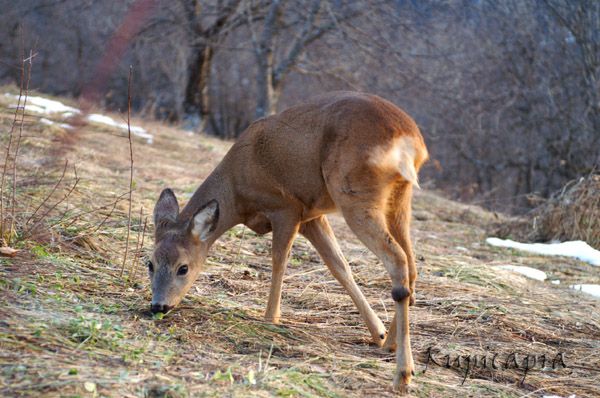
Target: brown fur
[{"x": 338, "y": 151}]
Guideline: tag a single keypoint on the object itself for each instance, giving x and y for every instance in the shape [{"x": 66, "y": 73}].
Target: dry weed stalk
[
  {"x": 6, "y": 240},
  {"x": 76, "y": 217},
  {"x": 137, "y": 244},
  {"x": 29, "y": 230},
  {"x": 18, "y": 144},
  {"x": 130, "y": 169},
  {"x": 62, "y": 176},
  {"x": 14, "y": 144},
  {"x": 140, "y": 247},
  {"x": 573, "y": 213}
]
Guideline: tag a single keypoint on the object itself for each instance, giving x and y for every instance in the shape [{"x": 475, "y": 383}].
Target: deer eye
[
  {"x": 150, "y": 266},
  {"x": 182, "y": 270}
]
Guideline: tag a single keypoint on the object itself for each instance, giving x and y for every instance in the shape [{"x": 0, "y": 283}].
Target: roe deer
[{"x": 352, "y": 152}]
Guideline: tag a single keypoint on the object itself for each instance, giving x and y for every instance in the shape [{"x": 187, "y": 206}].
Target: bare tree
[
  {"x": 582, "y": 21},
  {"x": 223, "y": 18},
  {"x": 301, "y": 24}
]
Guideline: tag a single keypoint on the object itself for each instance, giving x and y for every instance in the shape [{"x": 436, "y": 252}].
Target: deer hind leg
[
  {"x": 398, "y": 221},
  {"x": 284, "y": 232},
  {"x": 369, "y": 223},
  {"x": 319, "y": 233}
]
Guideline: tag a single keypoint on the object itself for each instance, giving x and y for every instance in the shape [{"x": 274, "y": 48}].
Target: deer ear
[
  {"x": 166, "y": 209},
  {"x": 205, "y": 221}
]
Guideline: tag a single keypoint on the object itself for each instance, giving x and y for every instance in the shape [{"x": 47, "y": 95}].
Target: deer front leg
[{"x": 284, "y": 232}]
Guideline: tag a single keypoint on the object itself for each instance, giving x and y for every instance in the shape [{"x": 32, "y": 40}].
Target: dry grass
[
  {"x": 573, "y": 213},
  {"x": 69, "y": 326}
]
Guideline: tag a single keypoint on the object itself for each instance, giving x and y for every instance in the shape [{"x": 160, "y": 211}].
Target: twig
[
  {"x": 43, "y": 216},
  {"x": 137, "y": 243},
  {"x": 139, "y": 256},
  {"x": 239, "y": 249},
  {"x": 74, "y": 218},
  {"x": 8, "y": 147},
  {"x": 268, "y": 359},
  {"x": 130, "y": 168},
  {"x": 43, "y": 202},
  {"x": 14, "y": 190},
  {"x": 107, "y": 216}
]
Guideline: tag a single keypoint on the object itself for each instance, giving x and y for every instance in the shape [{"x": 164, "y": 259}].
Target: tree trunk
[
  {"x": 274, "y": 99},
  {"x": 264, "y": 85},
  {"x": 268, "y": 93},
  {"x": 197, "y": 97}
]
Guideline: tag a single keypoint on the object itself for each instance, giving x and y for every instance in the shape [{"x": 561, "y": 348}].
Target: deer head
[{"x": 180, "y": 251}]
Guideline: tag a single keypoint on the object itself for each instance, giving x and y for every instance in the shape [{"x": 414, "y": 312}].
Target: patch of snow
[
  {"x": 30, "y": 108},
  {"x": 51, "y": 106},
  {"x": 529, "y": 272},
  {"x": 593, "y": 290},
  {"x": 102, "y": 119},
  {"x": 108, "y": 121},
  {"x": 577, "y": 249},
  {"x": 44, "y": 105},
  {"x": 67, "y": 115},
  {"x": 49, "y": 122},
  {"x": 47, "y": 106},
  {"x": 558, "y": 396},
  {"x": 461, "y": 248},
  {"x": 555, "y": 282}
]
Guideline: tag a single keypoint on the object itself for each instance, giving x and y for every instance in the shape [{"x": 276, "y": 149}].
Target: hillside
[{"x": 72, "y": 325}]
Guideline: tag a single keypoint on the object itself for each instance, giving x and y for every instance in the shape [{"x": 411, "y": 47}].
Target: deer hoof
[{"x": 402, "y": 380}]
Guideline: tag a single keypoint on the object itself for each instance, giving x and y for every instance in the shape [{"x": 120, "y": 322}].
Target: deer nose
[{"x": 155, "y": 308}]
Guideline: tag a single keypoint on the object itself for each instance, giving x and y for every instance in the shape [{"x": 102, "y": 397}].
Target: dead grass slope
[{"x": 70, "y": 326}]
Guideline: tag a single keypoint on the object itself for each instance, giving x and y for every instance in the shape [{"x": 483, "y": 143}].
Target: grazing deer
[{"x": 352, "y": 152}]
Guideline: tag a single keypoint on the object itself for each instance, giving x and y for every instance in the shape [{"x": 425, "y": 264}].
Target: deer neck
[{"x": 217, "y": 186}]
